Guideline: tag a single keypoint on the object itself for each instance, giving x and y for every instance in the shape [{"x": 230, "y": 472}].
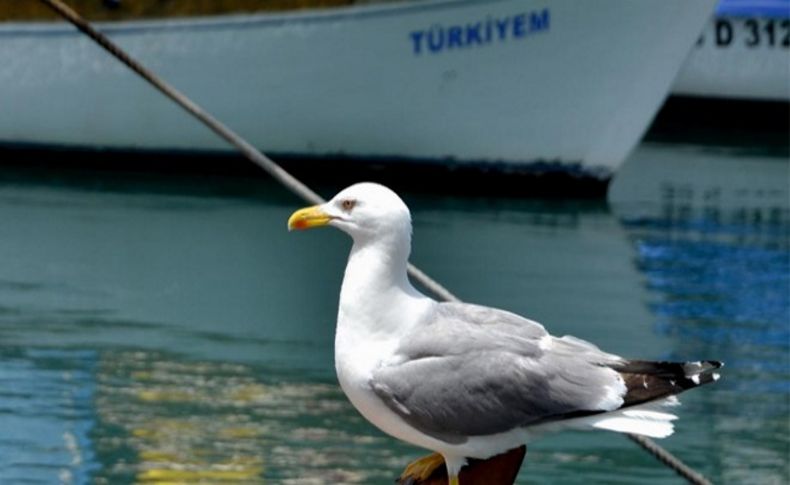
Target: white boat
[
  {"x": 744, "y": 53},
  {"x": 456, "y": 81}
]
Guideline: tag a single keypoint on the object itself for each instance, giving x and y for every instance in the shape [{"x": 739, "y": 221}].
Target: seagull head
[{"x": 365, "y": 211}]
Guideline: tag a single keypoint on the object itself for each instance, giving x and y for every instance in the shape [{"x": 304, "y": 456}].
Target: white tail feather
[{"x": 644, "y": 420}]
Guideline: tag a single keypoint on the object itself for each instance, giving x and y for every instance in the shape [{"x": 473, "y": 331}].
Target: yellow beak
[{"x": 308, "y": 217}]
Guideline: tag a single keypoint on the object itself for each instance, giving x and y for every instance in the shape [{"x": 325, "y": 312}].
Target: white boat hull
[
  {"x": 744, "y": 53},
  {"x": 511, "y": 81}
]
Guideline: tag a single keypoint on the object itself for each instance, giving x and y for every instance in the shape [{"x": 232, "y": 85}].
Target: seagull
[{"x": 469, "y": 381}]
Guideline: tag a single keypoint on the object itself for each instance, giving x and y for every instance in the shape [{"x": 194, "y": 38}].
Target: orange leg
[
  {"x": 497, "y": 470},
  {"x": 424, "y": 471}
]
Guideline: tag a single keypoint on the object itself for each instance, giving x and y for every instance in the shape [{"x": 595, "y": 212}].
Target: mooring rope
[
  {"x": 303, "y": 191},
  {"x": 670, "y": 460}
]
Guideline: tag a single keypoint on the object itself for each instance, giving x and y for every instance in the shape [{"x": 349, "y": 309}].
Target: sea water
[{"x": 169, "y": 328}]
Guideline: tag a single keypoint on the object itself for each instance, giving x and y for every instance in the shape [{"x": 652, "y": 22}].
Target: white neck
[
  {"x": 377, "y": 301},
  {"x": 378, "y": 306}
]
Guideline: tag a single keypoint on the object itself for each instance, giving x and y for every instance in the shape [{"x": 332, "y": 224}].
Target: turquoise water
[{"x": 161, "y": 329}]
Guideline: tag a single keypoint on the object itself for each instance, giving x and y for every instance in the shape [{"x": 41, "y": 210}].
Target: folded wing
[{"x": 473, "y": 371}]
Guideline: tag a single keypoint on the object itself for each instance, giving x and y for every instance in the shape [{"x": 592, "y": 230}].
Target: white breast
[
  {"x": 358, "y": 353},
  {"x": 355, "y": 364}
]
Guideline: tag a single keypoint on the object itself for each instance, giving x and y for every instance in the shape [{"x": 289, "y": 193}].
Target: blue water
[{"x": 168, "y": 329}]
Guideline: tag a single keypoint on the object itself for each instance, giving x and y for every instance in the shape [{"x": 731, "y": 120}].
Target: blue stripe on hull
[{"x": 754, "y": 8}]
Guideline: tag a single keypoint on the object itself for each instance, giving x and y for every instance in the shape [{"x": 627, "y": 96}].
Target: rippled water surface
[{"x": 169, "y": 329}]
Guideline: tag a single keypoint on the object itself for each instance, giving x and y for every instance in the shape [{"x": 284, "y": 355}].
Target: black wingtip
[
  {"x": 701, "y": 372},
  {"x": 647, "y": 381}
]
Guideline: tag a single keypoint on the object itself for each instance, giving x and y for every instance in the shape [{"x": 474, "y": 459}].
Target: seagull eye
[{"x": 348, "y": 204}]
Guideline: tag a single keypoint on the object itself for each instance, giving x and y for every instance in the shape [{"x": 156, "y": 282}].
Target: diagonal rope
[
  {"x": 670, "y": 460},
  {"x": 249, "y": 151},
  {"x": 301, "y": 190}
]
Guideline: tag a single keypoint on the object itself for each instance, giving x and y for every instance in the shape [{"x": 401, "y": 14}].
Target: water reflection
[
  {"x": 711, "y": 230},
  {"x": 216, "y": 422},
  {"x": 210, "y": 327},
  {"x": 155, "y": 331},
  {"x": 75, "y": 416},
  {"x": 46, "y": 415}
]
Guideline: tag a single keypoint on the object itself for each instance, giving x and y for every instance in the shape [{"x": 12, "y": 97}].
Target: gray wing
[{"x": 473, "y": 370}]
